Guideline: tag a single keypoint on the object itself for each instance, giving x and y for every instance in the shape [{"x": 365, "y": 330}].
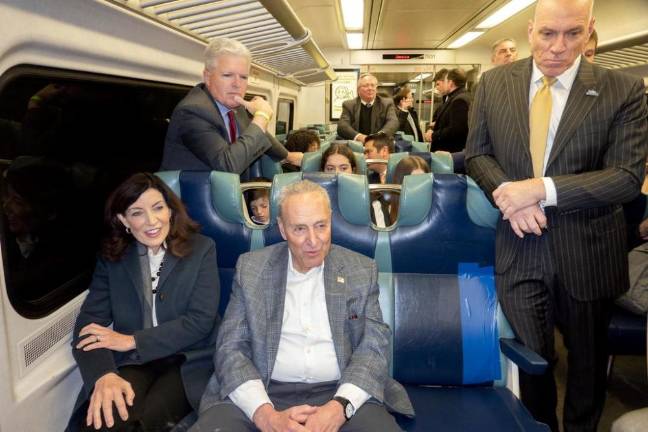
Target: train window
[
  {"x": 66, "y": 140},
  {"x": 285, "y": 114}
]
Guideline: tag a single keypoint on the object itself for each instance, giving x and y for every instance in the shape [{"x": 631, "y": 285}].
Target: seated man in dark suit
[
  {"x": 303, "y": 346},
  {"x": 368, "y": 113},
  {"x": 451, "y": 126},
  {"x": 210, "y": 128}
]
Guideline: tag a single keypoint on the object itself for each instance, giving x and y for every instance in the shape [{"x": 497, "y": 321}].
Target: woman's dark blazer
[
  {"x": 187, "y": 315},
  {"x": 405, "y": 126}
]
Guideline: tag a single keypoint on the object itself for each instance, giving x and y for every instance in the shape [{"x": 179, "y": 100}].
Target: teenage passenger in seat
[
  {"x": 145, "y": 336},
  {"x": 338, "y": 158},
  {"x": 210, "y": 128}
]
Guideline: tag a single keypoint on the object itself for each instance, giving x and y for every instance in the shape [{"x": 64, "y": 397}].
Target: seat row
[{"x": 436, "y": 280}]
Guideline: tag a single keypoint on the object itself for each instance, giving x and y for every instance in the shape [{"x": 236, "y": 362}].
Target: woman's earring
[{"x": 128, "y": 230}]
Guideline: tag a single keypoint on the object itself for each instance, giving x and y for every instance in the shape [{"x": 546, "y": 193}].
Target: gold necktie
[{"x": 539, "y": 117}]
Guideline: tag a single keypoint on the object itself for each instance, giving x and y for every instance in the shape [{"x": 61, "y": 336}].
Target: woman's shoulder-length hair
[{"x": 116, "y": 240}]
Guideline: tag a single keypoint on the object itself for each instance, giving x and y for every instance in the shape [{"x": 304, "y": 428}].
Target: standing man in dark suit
[
  {"x": 210, "y": 128},
  {"x": 303, "y": 346},
  {"x": 368, "y": 113},
  {"x": 559, "y": 144},
  {"x": 451, "y": 126}
]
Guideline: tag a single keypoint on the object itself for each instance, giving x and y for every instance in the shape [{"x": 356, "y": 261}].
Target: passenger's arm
[
  {"x": 193, "y": 324},
  {"x": 95, "y": 309},
  {"x": 620, "y": 179},
  {"x": 480, "y": 161},
  {"x": 367, "y": 368},
  {"x": 344, "y": 128},
  {"x": 390, "y": 127},
  {"x": 207, "y": 140}
]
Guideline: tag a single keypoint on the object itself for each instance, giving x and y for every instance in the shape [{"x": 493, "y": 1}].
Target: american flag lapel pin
[
  {"x": 340, "y": 279},
  {"x": 591, "y": 92}
]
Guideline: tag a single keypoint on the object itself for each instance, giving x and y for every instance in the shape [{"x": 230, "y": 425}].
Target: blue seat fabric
[{"x": 446, "y": 237}]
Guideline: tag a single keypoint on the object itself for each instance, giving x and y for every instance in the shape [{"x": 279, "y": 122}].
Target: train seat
[
  {"x": 443, "y": 220},
  {"x": 440, "y": 162},
  {"x": 446, "y": 352},
  {"x": 214, "y": 200},
  {"x": 349, "y": 195},
  {"x": 264, "y": 167}
]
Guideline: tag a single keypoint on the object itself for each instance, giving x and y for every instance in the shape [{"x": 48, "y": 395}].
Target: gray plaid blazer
[
  {"x": 596, "y": 162},
  {"x": 248, "y": 339}
]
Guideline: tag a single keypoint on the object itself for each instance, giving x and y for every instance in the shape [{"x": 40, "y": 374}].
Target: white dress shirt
[
  {"x": 559, "y": 94},
  {"x": 306, "y": 352},
  {"x": 154, "y": 263}
]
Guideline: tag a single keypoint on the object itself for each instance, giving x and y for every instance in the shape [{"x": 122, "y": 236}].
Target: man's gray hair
[
  {"x": 499, "y": 42},
  {"x": 302, "y": 187},
  {"x": 221, "y": 46}
]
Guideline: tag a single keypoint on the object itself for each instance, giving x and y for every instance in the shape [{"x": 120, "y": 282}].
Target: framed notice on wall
[{"x": 343, "y": 88}]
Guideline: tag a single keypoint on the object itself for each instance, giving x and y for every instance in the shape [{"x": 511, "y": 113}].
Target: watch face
[{"x": 348, "y": 411}]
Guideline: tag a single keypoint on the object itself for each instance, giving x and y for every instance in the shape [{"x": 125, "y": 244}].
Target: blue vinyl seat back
[
  {"x": 312, "y": 161},
  {"x": 440, "y": 162},
  {"x": 443, "y": 220},
  {"x": 445, "y": 328},
  {"x": 213, "y": 199},
  {"x": 351, "y": 220}
]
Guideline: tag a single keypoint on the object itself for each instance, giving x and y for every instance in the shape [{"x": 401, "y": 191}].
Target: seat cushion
[{"x": 466, "y": 409}]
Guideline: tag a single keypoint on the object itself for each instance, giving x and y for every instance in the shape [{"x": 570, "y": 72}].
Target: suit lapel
[
  {"x": 131, "y": 262},
  {"x": 583, "y": 95},
  {"x": 274, "y": 288},
  {"x": 356, "y": 114},
  {"x": 517, "y": 89},
  {"x": 375, "y": 114},
  {"x": 334, "y": 287},
  {"x": 169, "y": 263}
]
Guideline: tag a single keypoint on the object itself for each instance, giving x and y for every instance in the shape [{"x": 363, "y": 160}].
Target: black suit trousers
[
  {"x": 160, "y": 400},
  {"x": 535, "y": 302}
]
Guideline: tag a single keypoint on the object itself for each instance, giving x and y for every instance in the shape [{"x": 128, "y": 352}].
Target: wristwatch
[{"x": 347, "y": 406}]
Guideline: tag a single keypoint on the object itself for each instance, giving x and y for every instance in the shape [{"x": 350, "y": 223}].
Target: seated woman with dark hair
[
  {"x": 145, "y": 336},
  {"x": 407, "y": 166},
  {"x": 338, "y": 158}
]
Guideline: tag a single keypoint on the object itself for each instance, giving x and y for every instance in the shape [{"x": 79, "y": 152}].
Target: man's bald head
[{"x": 558, "y": 33}]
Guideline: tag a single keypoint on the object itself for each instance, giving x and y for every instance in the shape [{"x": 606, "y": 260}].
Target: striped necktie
[
  {"x": 232, "y": 126},
  {"x": 539, "y": 118}
]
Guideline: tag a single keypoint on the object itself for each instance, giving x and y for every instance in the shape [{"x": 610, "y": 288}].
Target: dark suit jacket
[
  {"x": 596, "y": 163},
  {"x": 451, "y": 127},
  {"x": 383, "y": 117},
  {"x": 404, "y": 125},
  {"x": 187, "y": 312},
  {"x": 249, "y": 337},
  {"x": 198, "y": 140}
]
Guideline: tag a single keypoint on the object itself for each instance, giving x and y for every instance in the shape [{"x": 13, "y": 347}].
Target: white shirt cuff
[
  {"x": 551, "y": 198},
  {"x": 354, "y": 394},
  {"x": 249, "y": 396}
]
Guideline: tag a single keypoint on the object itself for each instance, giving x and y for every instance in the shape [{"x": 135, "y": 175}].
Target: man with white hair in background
[{"x": 210, "y": 128}]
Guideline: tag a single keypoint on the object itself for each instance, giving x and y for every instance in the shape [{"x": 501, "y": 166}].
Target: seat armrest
[{"x": 527, "y": 360}]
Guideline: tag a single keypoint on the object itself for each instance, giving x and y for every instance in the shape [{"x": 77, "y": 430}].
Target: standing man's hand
[
  {"x": 267, "y": 419},
  {"x": 529, "y": 220},
  {"x": 328, "y": 418},
  {"x": 295, "y": 158},
  {"x": 360, "y": 137},
  {"x": 511, "y": 197},
  {"x": 260, "y": 109}
]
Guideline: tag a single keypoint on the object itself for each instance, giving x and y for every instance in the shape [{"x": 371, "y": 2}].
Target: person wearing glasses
[{"x": 368, "y": 113}]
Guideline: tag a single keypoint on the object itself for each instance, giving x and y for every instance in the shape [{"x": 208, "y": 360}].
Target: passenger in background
[
  {"x": 258, "y": 201},
  {"x": 440, "y": 84},
  {"x": 378, "y": 146},
  {"x": 300, "y": 141},
  {"x": 303, "y": 346},
  {"x": 368, "y": 113},
  {"x": 338, "y": 158},
  {"x": 145, "y": 336},
  {"x": 590, "y": 47},
  {"x": 503, "y": 51},
  {"x": 560, "y": 253},
  {"x": 409, "y": 165},
  {"x": 451, "y": 127},
  {"x": 210, "y": 128},
  {"x": 407, "y": 116}
]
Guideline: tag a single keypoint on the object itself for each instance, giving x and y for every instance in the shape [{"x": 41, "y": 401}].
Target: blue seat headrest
[
  {"x": 172, "y": 179},
  {"x": 480, "y": 210},
  {"x": 226, "y": 196},
  {"x": 415, "y": 199}
]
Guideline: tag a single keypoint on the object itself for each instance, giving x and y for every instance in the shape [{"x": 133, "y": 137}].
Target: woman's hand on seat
[
  {"x": 97, "y": 336},
  {"x": 109, "y": 389}
]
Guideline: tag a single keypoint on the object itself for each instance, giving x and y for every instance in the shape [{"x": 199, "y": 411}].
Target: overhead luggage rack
[{"x": 269, "y": 28}]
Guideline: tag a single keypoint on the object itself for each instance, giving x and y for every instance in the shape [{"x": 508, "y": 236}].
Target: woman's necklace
[{"x": 156, "y": 275}]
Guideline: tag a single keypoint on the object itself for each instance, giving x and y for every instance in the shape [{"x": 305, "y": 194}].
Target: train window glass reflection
[
  {"x": 285, "y": 114},
  {"x": 67, "y": 139}
]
